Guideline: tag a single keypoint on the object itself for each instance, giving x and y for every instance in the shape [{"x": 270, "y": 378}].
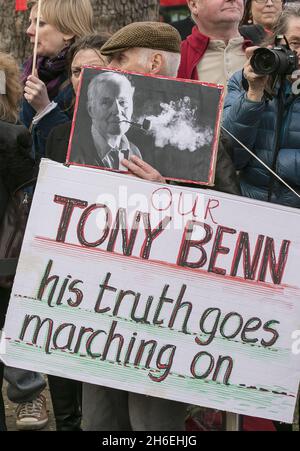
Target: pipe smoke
[{"x": 177, "y": 126}]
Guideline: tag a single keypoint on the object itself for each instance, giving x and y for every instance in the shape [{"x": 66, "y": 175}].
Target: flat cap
[{"x": 152, "y": 35}]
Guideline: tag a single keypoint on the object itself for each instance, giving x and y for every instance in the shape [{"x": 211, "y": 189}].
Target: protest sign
[
  {"x": 173, "y": 125},
  {"x": 179, "y": 293}
]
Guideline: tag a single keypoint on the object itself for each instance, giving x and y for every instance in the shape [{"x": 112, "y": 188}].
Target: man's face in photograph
[{"x": 112, "y": 107}]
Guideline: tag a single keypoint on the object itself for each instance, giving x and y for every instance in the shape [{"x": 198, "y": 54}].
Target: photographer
[{"x": 268, "y": 126}]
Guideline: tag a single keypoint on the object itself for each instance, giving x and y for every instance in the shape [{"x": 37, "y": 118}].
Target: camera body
[{"x": 280, "y": 60}]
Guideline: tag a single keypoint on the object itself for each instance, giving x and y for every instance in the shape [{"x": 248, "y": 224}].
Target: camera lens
[
  {"x": 264, "y": 61},
  {"x": 280, "y": 61}
]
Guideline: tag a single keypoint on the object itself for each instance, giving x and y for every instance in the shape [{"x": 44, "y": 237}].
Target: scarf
[
  {"x": 192, "y": 50},
  {"x": 52, "y": 71}
]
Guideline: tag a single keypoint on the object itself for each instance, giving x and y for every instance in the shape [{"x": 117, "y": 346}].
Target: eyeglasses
[
  {"x": 261, "y": 2},
  {"x": 294, "y": 45}
]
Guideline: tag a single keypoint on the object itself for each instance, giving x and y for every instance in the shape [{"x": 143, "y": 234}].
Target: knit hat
[{"x": 152, "y": 35}]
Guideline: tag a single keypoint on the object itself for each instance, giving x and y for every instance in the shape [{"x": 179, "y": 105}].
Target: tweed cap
[{"x": 152, "y": 35}]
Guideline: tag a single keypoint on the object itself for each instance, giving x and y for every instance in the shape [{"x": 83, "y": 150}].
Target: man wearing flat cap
[
  {"x": 145, "y": 47},
  {"x": 154, "y": 48},
  {"x": 148, "y": 48}
]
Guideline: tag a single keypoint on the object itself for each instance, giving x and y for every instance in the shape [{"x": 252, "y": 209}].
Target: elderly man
[
  {"x": 153, "y": 48},
  {"x": 215, "y": 49},
  {"x": 146, "y": 47},
  {"x": 110, "y": 106}
]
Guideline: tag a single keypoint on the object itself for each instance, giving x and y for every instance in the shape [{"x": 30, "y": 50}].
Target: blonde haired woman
[{"x": 48, "y": 93}]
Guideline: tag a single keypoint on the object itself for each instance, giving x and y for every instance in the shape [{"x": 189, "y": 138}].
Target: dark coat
[
  {"x": 17, "y": 167},
  {"x": 61, "y": 114},
  {"x": 57, "y": 142},
  {"x": 255, "y": 33},
  {"x": 17, "y": 170},
  {"x": 3, "y": 198}
]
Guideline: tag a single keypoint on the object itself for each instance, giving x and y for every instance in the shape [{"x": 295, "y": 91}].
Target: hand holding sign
[
  {"x": 36, "y": 94},
  {"x": 143, "y": 170}
]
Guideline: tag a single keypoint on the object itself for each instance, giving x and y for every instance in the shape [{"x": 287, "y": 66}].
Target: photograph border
[{"x": 215, "y": 143}]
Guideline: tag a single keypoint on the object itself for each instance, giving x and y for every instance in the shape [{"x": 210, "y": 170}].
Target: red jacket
[{"x": 192, "y": 50}]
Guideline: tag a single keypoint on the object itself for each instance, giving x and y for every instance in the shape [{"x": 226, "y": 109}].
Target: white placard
[{"x": 179, "y": 293}]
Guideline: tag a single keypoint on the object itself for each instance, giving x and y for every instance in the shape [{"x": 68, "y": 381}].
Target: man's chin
[
  {"x": 231, "y": 15},
  {"x": 117, "y": 130},
  {"x": 114, "y": 131}
]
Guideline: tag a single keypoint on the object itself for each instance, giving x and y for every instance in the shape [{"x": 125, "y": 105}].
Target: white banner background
[{"x": 245, "y": 374}]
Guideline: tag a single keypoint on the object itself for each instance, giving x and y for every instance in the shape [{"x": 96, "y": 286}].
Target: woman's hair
[
  {"x": 246, "y": 20},
  {"x": 92, "y": 41},
  {"x": 10, "y": 88},
  {"x": 247, "y": 17},
  {"x": 68, "y": 16},
  {"x": 282, "y": 24},
  {"x": 288, "y": 13}
]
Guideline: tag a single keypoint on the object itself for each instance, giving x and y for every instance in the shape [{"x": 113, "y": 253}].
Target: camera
[{"x": 280, "y": 60}]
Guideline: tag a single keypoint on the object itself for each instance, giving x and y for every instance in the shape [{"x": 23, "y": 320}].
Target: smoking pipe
[{"x": 146, "y": 124}]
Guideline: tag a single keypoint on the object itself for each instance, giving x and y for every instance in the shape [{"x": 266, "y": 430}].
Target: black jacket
[
  {"x": 58, "y": 141},
  {"x": 17, "y": 167},
  {"x": 17, "y": 170},
  {"x": 226, "y": 179},
  {"x": 254, "y": 33},
  {"x": 3, "y": 198}
]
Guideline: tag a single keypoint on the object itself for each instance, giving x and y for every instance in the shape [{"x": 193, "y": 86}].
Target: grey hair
[
  {"x": 171, "y": 60},
  {"x": 282, "y": 24},
  {"x": 101, "y": 79}
]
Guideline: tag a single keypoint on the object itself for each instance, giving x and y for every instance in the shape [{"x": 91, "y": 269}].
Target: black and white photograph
[{"x": 171, "y": 124}]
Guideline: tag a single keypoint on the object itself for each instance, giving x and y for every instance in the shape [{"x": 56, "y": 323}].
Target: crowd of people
[{"x": 35, "y": 121}]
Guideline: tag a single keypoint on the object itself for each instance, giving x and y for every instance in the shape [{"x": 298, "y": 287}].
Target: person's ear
[
  {"x": 192, "y": 4},
  {"x": 68, "y": 38},
  {"x": 90, "y": 109},
  {"x": 156, "y": 63}
]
